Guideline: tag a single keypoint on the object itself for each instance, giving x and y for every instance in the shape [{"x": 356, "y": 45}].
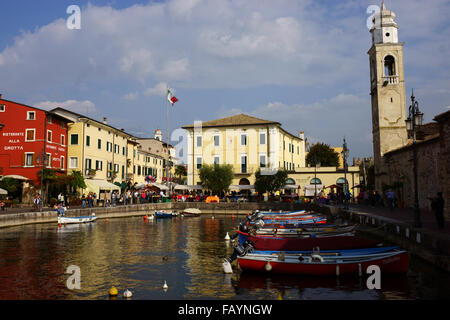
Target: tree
[
  {"x": 181, "y": 172},
  {"x": 270, "y": 183},
  {"x": 46, "y": 176},
  {"x": 77, "y": 180},
  {"x": 322, "y": 153},
  {"x": 216, "y": 178}
]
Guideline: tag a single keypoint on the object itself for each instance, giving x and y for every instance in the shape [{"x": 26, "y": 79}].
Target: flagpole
[{"x": 167, "y": 139}]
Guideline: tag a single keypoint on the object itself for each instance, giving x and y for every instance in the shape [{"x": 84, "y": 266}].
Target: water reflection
[{"x": 130, "y": 253}]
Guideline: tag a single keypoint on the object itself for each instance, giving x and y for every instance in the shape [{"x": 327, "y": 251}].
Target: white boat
[
  {"x": 66, "y": 220},
  {"x": 191, "y": 212}
]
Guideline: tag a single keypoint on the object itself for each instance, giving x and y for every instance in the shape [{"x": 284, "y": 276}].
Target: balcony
[{"x": 390, "y": 80}]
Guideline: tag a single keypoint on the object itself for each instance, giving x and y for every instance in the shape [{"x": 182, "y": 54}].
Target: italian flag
[{"x": 171, "y": 98}]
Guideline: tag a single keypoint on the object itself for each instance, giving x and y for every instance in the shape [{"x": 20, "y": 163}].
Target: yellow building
[
  {"x": 250, "y": 144},
  {"x": 97, "y": 149},
  {"x": 245, "y": 142}
]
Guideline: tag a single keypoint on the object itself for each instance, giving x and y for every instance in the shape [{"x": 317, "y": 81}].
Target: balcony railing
[{"x": 390, "y": 79}]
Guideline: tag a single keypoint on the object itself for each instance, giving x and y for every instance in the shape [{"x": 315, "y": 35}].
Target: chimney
[
  {"x": 104, "y": 120},
  {"x": 302, "y": 135}
]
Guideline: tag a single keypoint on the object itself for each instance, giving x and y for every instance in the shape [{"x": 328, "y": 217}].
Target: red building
[{"x": 25, "y": 132}]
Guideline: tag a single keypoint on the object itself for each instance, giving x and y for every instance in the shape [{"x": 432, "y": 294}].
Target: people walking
[
  {"x": 437, "y": 204},
  {"x": 391, "y": 199}
]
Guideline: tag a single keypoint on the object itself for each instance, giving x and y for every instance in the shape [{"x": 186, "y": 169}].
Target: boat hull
[
  {"x": 389, "y": 264},
  {"x": 305, "y": 244},
  {"x": 69, "y": 220}
]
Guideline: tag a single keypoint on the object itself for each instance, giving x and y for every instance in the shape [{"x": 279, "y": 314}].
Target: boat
[
  {"x": 307, "y": 242},
  {"x": 163, "y": 214},
  {"x": 191, "y": 212},
  {"x": 84, "y": 219},
  {"x": 394, "y": 261},
  {"x": 299, "y": 230}
]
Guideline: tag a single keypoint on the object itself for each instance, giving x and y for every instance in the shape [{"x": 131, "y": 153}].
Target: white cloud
[
  {"x": 159, "y": 90},
  {"x": 131, "y": 96},
  {"x": 82, "y": 107}
]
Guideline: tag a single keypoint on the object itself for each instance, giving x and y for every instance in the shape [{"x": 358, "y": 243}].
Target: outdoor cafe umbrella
[{"x": 3, "y": 191}]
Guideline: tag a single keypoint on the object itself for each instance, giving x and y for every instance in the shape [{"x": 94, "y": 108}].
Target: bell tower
[{"x": 387, "y": 90}]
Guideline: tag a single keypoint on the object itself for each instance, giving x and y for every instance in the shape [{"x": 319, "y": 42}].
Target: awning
[
  {"x": 311, "y": 189},
  {"x": 242, "y": 187},
  {"x": 290, "y": 186},
  {"x": 160, "y": 186},
  {"x": 97, "y": 185},
  {"x": 195, "y": 187},
  {"x": 3, "y": 191},
  {"x": 181, "y": 187},
  {"x": 15, "y": 176}
]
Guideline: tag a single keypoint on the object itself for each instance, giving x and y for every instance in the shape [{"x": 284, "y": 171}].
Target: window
[
  {"x": 109, "y": 146},
  {"x": 116, "y": 148},
  {"x": 29, "y": 134},
  {"x": 31, "y": 115},
  {"x": 88, "y": 164},
  {"x": 199, "y": 141},
  {"x": 123, "y": 151},
  {"x": 389, "y": 66},
  {"x": 99, "y": 165},
  {"x": 139, "y": 170},
  {"x": 99, "y": 143},
  {"x": 63, "y": 140},
  {"x": 243, "y": 163},
  {"x": 315, "y": 181},
  {"x": 88, "y": 141},
  {"x": 243, "y": 139},
  {"x": 62, "y": 162},
  {"x": 116, "y": 168},
  {"x": 262, "y": 161},
  {"x": 123, "y": 172},
  {"x": 2, "y": 108},
  {"x": 216, "y": 141},
  {"x": 49, "y": 135},
  {"x": 49, "y": 160},
  {"x": 216, "y": 159},
  {"x": 74, "y": 139},
  {"x": 199, "y": 162},
  {"x": 262, "y": 138},
  {"x": 73, "y": 163},
  {"x": 29, "y": 159}
]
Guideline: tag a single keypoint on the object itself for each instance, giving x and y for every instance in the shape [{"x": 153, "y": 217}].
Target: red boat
[
  {"x": 335, "y": 242},
  {"x": 390, "y": 262}
]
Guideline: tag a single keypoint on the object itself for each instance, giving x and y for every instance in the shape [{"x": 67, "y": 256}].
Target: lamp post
[
  {"x": 345, "y": 153},
  {"x": 413, "y": 123},
  {"x": 316, "y": 165}
]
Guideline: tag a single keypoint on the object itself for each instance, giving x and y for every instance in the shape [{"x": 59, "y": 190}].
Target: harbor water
[{"x": 186, "y": 253}]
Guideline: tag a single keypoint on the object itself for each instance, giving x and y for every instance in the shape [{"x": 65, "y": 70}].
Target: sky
[{"x": 303, "y": 63}]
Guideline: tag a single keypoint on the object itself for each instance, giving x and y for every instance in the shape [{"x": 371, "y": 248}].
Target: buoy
[
  {"x": 226, "y": 265},
  {"x": 107, "y": 220},
  {"x": 268, "y": 266},
  {"x": 227, "y": 237},
  {"x": 127, "y": 294},
  {"x": 145, "y": 218},
  {"x": 113, "y": 291},
  {"x": 60, "y": 225},
  {"x": 165, "y": 286}
]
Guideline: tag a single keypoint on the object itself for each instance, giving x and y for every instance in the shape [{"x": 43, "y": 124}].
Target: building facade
[
  {"x": 28, "y": 136},
  {"x": 247, "y": 143},
  {"x": 387, "y": 90}
]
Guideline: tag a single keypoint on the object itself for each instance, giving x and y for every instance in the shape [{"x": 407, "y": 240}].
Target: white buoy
[
  {"x": 165, "y": 286},
  {"x": 127, "y": 294},
  {"x": 227, "y": 237},
  {"x": 268, "y": 266},
  {"x": 226, "y": 265}
]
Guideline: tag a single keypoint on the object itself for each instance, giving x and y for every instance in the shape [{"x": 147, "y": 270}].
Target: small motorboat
[
  {"x": 163, "y": 214},
  {"x": 191, "y": 212},
  {"x": 307, "y": 242},
  {"x": 84, "y": 219},
  {"x": 392, "y": 261},
  {"x": 300, "y": 230}
]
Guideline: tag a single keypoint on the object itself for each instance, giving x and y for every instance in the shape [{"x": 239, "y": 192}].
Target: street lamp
[
  {"x": 316, "y": 165},
  {"x": 345, "y": 153},
  {"x": 413, "y": 124}
]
